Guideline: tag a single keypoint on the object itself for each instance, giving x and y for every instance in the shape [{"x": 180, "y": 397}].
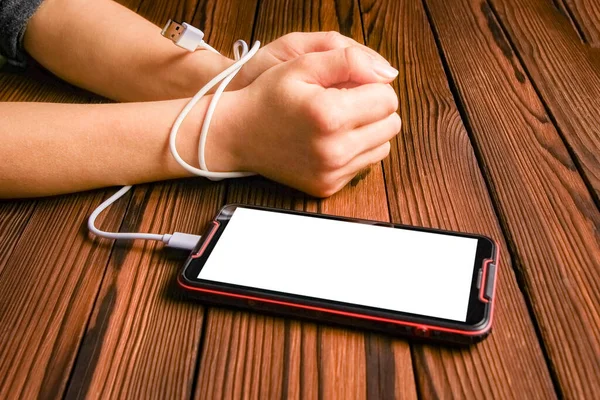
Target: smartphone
[{"x": 396, "y": 279}]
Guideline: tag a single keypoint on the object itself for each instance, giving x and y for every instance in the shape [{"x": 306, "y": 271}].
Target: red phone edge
[{"x": 419, "y": 327}]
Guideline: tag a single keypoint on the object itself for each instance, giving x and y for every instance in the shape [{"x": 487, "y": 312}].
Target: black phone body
[{"x": 397, "y": 279}]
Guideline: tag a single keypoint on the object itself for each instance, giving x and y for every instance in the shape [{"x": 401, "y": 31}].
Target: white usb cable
[{"x": 191, "y": 39}]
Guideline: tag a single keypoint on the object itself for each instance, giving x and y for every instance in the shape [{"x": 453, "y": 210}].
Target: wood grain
[
  {"x": 532, "y": 179},
  {"x": 144, "y": 341},
  {"x": 319, "y": 361},
  {"x": 586, "y": 17},
  {"x": 47, "y": 290},
  {"x": 159, "y": 12},
  {"x": 143, "y": 338},
  {"x": 13, "y": 219},
  {"x": 564, "y": 71},
  {"x": 233, "y": 353},
  {"x": 244, "y": 356},
  {"x": 50, "y": 271},
  {"x": 433, "y": 179}
]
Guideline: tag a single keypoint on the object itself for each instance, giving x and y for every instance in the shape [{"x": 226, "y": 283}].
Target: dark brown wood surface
[
  {"x": 50, "y": 269},
  {"x": 564, "y": 71},
  {"x": 585, "y": 15},
  {"x": 433, "y": 180},
  {"x": 141, "y": 327},
  {"x": 335, "y": 355},
  {"x": 501, "y": 117},
  {"x": 510, "y": 127}
]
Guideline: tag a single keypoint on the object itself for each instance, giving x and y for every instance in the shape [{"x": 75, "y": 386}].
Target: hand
[
  {"x": 291, "y": 46},
  {"x": 293, "y": 125}
]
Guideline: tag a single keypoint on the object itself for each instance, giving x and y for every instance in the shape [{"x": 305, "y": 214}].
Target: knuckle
[
  {"x": 356, "y": 54},
  {"x": 325, "y": 185},
  {"x": 331, "y": 157},
  {"x": 352, "y": 55},
  {"x": 334, "y": 39},
  {"x": 356, "y": 60},
  {"x": 314, "y": 114},
  {"x": 328, "y": 192},
  {"x": 303, "y": 62},
  {"x": 324, "y": 115},
  {"x": 292, "y": 36}
]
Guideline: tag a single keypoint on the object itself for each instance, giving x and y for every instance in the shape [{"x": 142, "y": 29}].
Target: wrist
[
  {"x": 224, "y": 143},
  {"x": 190, "y": 71}
]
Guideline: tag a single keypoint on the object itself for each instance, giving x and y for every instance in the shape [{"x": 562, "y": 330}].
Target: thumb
[{"x": 349, "y": 64}]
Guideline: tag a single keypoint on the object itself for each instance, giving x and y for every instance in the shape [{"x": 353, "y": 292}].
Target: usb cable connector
[
  {"x": 173, "y": 30},
  {"x": 185, "y": 36},
  {"x": 190, "y": 38}
]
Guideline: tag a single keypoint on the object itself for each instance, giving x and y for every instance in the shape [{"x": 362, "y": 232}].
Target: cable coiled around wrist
[
  {"x": 181, "y": 240},
  {"x": 242, "y": 56}
]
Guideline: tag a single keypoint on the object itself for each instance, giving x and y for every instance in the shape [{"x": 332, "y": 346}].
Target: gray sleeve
[{"x": 14, "y": 15}]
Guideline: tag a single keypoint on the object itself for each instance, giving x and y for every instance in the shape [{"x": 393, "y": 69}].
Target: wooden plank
[
  {"x": 235, "y": 360},
  {"x": 159, "y": 12},
  {"x": 131, "y": 4},
  {"x": 241, "y": 351},
  {"x": 586, "y": 16},
  {"x": 50, "y": 271},
  {"x": 142, "y": 341},
  {"x": 433, "y": 179},
  {"x": 564, "y": 71},
  {"x": 13, "y": 219},
  {"x": 551, "y": 218},
  {"x": 246, "y": 359},
  {"x": 43, "y": 332},
  {"x": 562, "y": 8},
  {"x": 47, "y": 290}
]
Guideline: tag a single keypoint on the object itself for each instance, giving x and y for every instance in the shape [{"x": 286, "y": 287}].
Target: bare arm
[
  {"x": 291, "y": 124},
  {"x": 110, "y": 50},
  {"x": 58, "y": 148},
  {"x": 266, "y": 127}
]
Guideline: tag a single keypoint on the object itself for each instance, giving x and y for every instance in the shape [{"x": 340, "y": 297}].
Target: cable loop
[{"x": 242, "y": 56}]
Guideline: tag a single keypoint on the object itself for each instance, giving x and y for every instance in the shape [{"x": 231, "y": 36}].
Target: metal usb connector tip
[
  {"x": 183, "y": 35},
  {"x": 173, "y": 30}
]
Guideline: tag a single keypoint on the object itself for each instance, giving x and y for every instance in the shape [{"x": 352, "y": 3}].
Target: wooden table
[{"x": 500, "y": 101}]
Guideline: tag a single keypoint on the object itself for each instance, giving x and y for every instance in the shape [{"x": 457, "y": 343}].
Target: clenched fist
[{"x": 311, "y": 123}]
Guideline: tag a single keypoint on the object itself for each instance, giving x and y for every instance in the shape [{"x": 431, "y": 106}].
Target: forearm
[
  {"x": 50, "y": 149},
  {"x": 110, "y": 50}
]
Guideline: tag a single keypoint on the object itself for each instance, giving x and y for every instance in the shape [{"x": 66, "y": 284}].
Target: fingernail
[{"x": 384, "y": 70}]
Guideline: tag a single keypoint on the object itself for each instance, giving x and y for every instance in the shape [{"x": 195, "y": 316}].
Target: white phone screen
[{"x": 389, "y": 268}]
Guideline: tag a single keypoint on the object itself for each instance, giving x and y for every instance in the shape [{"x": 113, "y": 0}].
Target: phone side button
[
  {"x": 421, "y": 331},
  {"x": 490, "y": 281}
]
